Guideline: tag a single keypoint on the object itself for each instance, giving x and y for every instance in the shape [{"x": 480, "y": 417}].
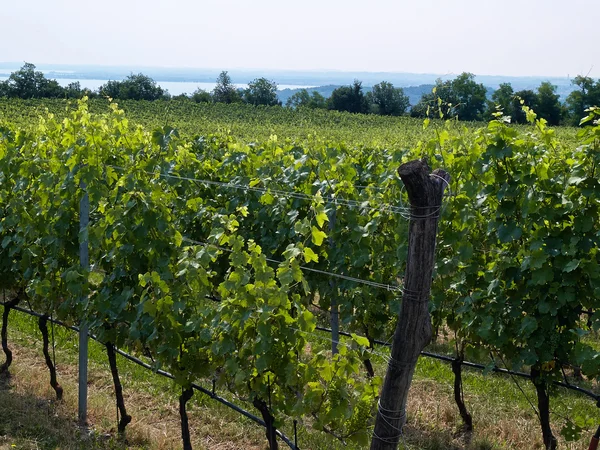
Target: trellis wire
[
  {"x": 284, "y": 438},
  {"x": 496, "y": 369},
  {"x": 387, "y": 287},
  {"x": 298, "y": 195},
  {"x": 166, "y": 374}
]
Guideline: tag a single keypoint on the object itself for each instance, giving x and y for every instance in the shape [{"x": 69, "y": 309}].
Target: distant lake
[{"x": 174, "y": 87}]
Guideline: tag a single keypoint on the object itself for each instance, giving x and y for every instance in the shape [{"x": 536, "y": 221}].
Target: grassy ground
[{"x": 30, "y": 417}]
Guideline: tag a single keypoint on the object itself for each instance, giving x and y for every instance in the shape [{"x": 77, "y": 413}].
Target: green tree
[
  {"x": 548, "y": 104},
  {"x": 261, "y": 92},
  {"x": 462, "y": 98},
  {"x": 471, "y": 97},
  {"x": 503, "y": 98},
  {"x": 73, "y": 90},
  {"x": 181, "y": 97},
  {"x": 141, "y": 87},
  {"x": 388, "y": 100},
  {"x": 527, "y": 98},
  {"x": 225, "y": 91},
  {"x": 201, "y": 96},
  {"x": 578, "y": 101},
  {"x": 348, "y": 98},
  {"x": 29, "y": 83},
  {"x": 437, "y": 103},
  {"x": 134, "y": 87},
  {"x": 110, "y": 89},
  {"x": 302, "y": 99},
  {"x": 25, "y": 82}
]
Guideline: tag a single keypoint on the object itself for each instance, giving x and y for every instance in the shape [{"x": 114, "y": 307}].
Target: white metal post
[{"x": 84, "y": 258}]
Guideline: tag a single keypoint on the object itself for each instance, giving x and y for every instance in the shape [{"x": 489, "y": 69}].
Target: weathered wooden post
[{"x": 413, "y": 330}]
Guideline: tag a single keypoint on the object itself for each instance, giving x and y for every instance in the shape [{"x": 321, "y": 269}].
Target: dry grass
[
  {"x": 433, "y": 417},
  {"x": 31, "y": 418}
]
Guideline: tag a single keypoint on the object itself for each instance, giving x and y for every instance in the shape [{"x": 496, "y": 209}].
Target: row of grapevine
[
  {"x": 149, "y": 280},
  {"x": 176, "y": 222}
]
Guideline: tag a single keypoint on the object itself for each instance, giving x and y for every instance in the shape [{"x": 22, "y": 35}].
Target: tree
[
  {"x": 134, "y": 87},
  {"x": 261, "y": 92},
  {"x": 111, "y": 89},
  {"x": 201, "y": 96},
  {"x": 225, "y": 91},
  {"x": 29, "y": 83},
  {"x": 470, "y": 96},
  {"x": 579, "y": 100},
  {"x": 348, "y": 98},
  {"x": 73, "y": 90},
  {"x": 141, "y": 87},
  {"x": 462, "y": 98},
  {"x": 50, "y": 89},
  {"x": 437, "y": 103},
  {"x": 302, "y": 99},
  {"x": 548, "y": 104},
  {"x": 527, "y": 98},
  {"x": 388, "y": 100},
  {"x": 24, "y": 82},
  {"x": 503, "y": 98}
]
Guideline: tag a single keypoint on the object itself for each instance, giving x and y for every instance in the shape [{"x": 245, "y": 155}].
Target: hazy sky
[{"x": 509, "y": 37}]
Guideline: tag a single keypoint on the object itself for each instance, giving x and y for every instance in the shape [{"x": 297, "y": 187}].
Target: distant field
[{"x": 248, "y": 123}]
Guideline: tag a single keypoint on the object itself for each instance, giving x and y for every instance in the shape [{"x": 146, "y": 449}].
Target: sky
[{"x": 509, "y": 37}]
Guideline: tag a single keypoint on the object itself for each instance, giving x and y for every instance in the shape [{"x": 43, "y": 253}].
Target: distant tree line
[
  {"x": 29, "y": 83},
  {"x": 461, "y": 97}
]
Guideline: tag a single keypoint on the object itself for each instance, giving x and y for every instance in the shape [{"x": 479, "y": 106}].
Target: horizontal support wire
[
  {"x": 297, "y": 195},
  {"x": 387, "y": 287},
  {"x": 165, "y": 374},
  {"x": 473, "y": 365},
  {"x": 450, "y": 359},
  {"x": 445, "y": 358}
]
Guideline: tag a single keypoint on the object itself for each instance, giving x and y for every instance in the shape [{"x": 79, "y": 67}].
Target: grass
[
  {"x": 32, "y": 419},
  {"x": 150, "y": 399}
]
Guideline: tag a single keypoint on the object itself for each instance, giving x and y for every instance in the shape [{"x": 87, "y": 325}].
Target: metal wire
[
  {"x": 387, "y": 287},
  {"x": 327, "y": 199}
]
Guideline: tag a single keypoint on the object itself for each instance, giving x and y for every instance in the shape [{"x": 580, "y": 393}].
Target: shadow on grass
[
  {"x": 444, "y": 440},
  {"x": 30, "y": 422},
  {"x": 5, "y": 378}
]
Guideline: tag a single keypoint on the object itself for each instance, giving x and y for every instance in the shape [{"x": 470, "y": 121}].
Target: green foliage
[
  {"x": 150, "y": 277},
  {"x": 388, "y": 100},
  {"x": 505, "y": 100},
  {"x": 580, "y": 100},
  {"x": 134, "y": 87},
  {"x": 201, "y": 96},
  {"x": 526, "y": 98},
  {"x": 29, "y": 83},
  {"x": 176, "y": 219},
  {"x": 243, "y": 123},
  {"x": 461, "y": 97},
  {"x": 74, "y": 90},
  {"x": 521, "y": 294},
  {"x": 348, "y": 98},
  {"x": 303, "y": 99},
  {"x": 548, "y": 106},
  {"x": 261, "y": 92},
  {"x": 225, "y": 91}
]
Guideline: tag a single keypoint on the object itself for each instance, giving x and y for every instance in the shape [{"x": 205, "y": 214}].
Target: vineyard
[{"x": 264, "y": 251}]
